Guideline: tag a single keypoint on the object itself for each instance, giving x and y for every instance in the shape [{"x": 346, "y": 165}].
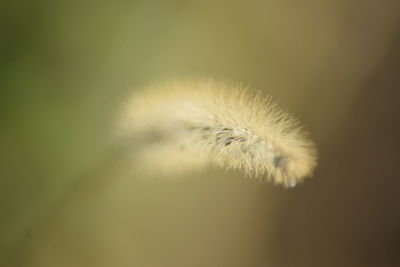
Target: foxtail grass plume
[{"x": 189, "y": 124}]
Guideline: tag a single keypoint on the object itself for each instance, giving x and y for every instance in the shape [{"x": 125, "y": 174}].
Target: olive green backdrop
[{"x": 68, "y": 199}]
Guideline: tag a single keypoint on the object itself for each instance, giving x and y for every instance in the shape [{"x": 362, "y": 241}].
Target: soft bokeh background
[{"x": 68, "y": 199}]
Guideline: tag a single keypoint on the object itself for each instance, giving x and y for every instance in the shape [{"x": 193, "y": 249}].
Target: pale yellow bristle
[{"x": 188, "y": 124}]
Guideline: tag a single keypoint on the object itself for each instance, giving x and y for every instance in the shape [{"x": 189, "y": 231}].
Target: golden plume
[{"x": 182, "y": 124}]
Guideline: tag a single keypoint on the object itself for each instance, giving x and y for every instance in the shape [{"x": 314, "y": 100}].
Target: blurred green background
[{"x": 67, "y": 66}]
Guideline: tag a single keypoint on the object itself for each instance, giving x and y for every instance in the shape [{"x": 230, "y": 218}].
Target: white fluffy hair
[{"x": 183, "y": 124}]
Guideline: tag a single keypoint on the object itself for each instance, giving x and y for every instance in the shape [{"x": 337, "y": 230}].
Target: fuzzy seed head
[{"x": 189, "y": 124}]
